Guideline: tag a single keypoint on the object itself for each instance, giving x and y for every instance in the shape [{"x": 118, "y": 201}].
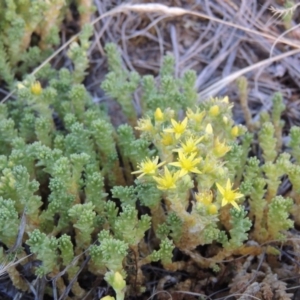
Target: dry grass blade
[
  {"x": 5, "y": 265},
  {"x": 159, "y": 8},
  {"x": 244, "y": 296},
  {"x": 281, "y": 12},
  {"x": 280, "y": 36},
  {"x": 219, "y": 85},
  {"x": 74, "y": 279}
]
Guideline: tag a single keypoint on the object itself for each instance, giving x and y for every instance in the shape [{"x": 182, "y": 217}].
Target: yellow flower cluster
[
  {"x": 189, "y": 147},
  {"x": 186, "y": 153}
]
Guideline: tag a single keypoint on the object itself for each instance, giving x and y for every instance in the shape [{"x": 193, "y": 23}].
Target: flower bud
[
  {"x": 167, "y": 139},
  {"x": 170, "y": 113},
  {"x": 20, "y": 86},
  {"x": 225, "y": 99},
  {"x": 144, "y": 125},
  {"x": 118, "y": 282},
  {"x": 235, "y": 131},
  {"x": 212, "y": 209},
  {"x": 36, "y": 88},
  {"x": 209, "y": 129},
  {"x": 214, "y": 110},
  {"x": 205, "y": 197},
  {"x": 220, "y": 149},
  {"x": 158, "y": 115},
  {"x": 107, "y": 298}
]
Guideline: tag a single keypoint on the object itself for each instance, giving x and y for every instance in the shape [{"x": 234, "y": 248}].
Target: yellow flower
[
  {"x": 214, "y": 110},
  {"x": 167, "y": 181},
  {"x": 189, "y": 146},
  {"x": 158, "y": 115},
  {"x": 229, "y": 195},
  {"x": 167, "y": 139},
  {"x": 234, "y": 131},
  {"x": 36, "y": 88},
  {"x": 187, "y": 163},
  {"x": 144, "y": 125},
  {"x": 197, "y": 116},
  {"x": 178, "y": 127},
  {"x": 220, "y": 149},
  {"x": 148, "y": 167}
]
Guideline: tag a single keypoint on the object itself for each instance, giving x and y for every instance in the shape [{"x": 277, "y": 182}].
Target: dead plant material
[{"x": 221, "y": 40}]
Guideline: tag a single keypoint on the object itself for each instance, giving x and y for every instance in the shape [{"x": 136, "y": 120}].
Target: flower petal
[
  {"x": 220, "y": 188},
  {"x": 184, "y": 122},
  {"x": 195, "y": 170},
  {"x": 182, "y": 172},
  {"x": 235, "y": 205},
  {"x": 171, "y": 130},
  {"x": 224, "y": 202},
  {"x": 228, "y": 184},
  {"x": 174, "y": 123},
  {"x": 137, "y": 172},
  {"x": 238, "y": 195}
]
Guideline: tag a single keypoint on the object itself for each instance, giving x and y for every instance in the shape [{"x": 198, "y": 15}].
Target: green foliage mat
[{"x": 174, "y": 197}]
